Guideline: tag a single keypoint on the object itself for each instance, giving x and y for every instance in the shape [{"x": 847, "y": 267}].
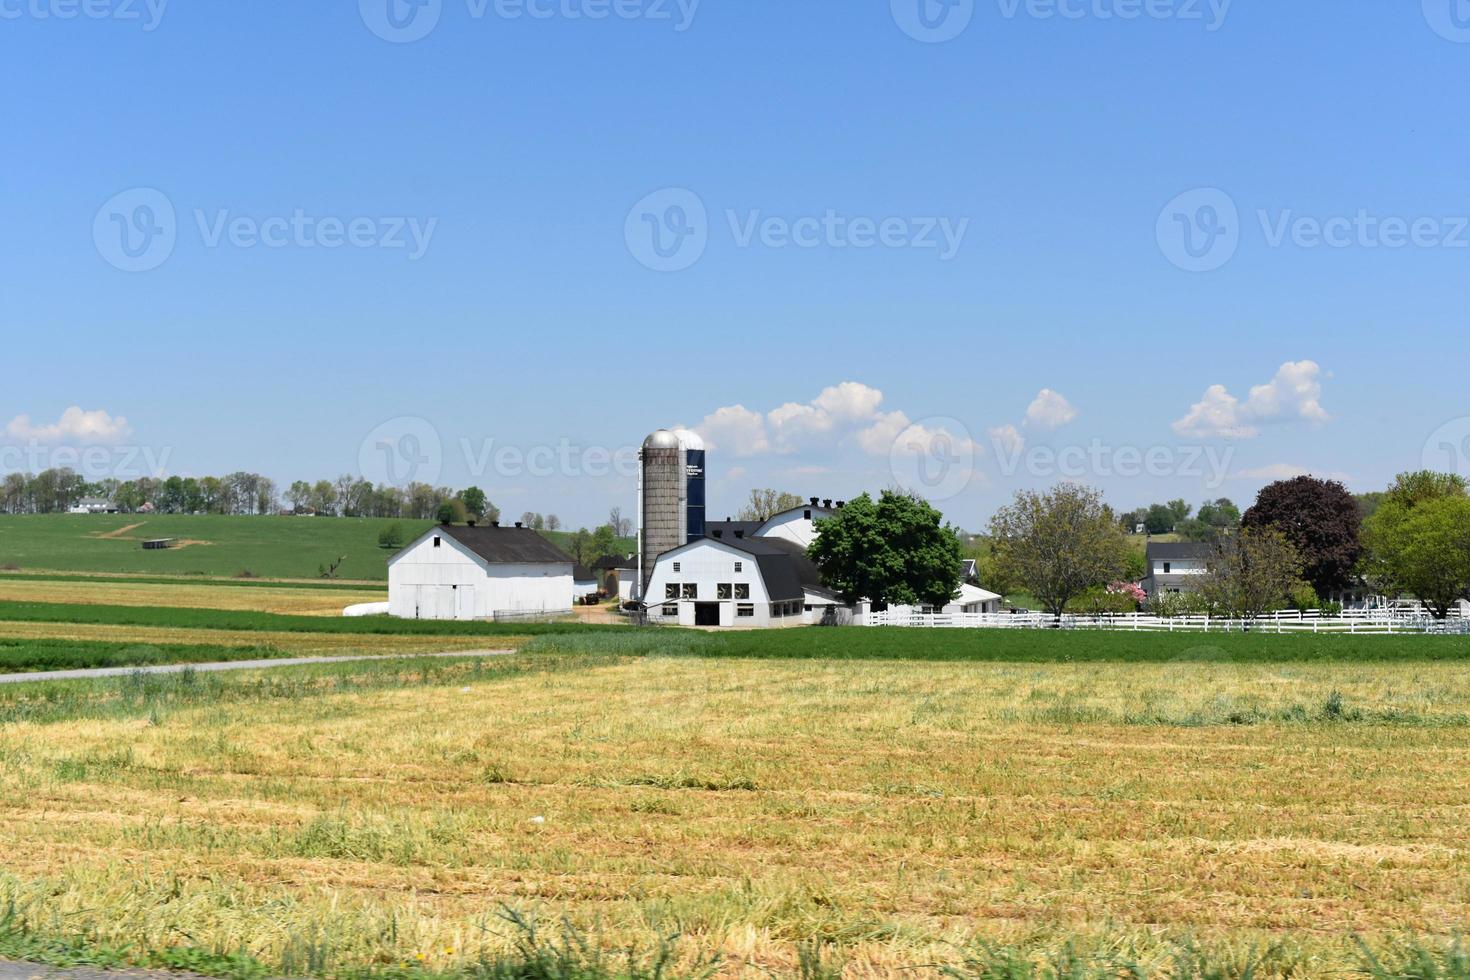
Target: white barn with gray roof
[{"x": 466, "y": 573}]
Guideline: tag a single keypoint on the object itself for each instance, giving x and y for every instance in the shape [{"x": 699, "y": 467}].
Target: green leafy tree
[
  {"x": 1418, "y": 540},
  {"x": 474, "y": 501},
  {"x": 391, "y": 537},
  {"x": 1058, "y": 544},
  {"x": 897, "y": 550},
  {"x": 1254, "y": 572}
]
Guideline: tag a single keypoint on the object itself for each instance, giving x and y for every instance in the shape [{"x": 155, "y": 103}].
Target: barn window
[
  {"x": 806, "y": 514},
  {"x": 742, "y": 590},
  {"x": 671, "y": 610},
  {"x": 677, "y": 568},
  {"x": 436, "y": 542},
  {"x": 740, "y": 566},
  {"x": 1167, "y": 567},
  {"x": 724, "y": 591},
  {"x": 671, "y": 591},
  {"x": 745, "y": 612},
  {"x": 691, "y": 591}
]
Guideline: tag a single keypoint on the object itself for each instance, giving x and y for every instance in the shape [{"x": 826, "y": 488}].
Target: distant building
[
  {"x": 460, "y": 572},
  {"x": 94, "y": 505},
  {"x": 584, "y": 583},
  {"x": 1175, "y": 567},
  {"x": 618, "y": 575}
]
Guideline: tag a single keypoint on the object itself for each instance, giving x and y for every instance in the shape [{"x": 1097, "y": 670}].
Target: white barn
[
  {"x": 457, "y": 572},
  {"x": 733, "y": 578}
]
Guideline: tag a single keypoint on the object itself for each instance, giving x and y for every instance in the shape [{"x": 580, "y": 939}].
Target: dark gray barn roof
[
  {"x": 784, "y": 566},
  {"x": 506, "y": 545}
]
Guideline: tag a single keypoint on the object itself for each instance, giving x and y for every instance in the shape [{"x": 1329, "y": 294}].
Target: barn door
[{"x": 464, "y": 602}]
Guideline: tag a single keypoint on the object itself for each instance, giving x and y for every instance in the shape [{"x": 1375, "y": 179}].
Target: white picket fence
[{"x": 1366, "y": 622}]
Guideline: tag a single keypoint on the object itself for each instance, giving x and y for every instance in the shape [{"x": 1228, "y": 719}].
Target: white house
[
  {"x": 1175, "y": 567},
  {"x": 458, "y": 572}
]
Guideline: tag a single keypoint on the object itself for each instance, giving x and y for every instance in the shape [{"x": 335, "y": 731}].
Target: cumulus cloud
[
  {"x": 1050, "y": 410},
  {"x": 1294, "y": 394},
  {"x": 736, "y": 430},
  {"x": 1007, "y": 438},
  {"x": 75, "y": 425},
  {"x": 846, "y": 413}
]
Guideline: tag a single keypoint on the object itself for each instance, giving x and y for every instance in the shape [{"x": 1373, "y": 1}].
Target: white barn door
[{"x": 464, "y": 602}]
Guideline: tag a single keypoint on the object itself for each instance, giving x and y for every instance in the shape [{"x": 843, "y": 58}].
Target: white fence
[{"x": 1366, "y": 622}]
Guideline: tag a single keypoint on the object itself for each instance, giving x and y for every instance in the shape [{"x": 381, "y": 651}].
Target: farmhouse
[
  {"x": 458, "y": 572},
  {"x": 1175, "y": 567}
]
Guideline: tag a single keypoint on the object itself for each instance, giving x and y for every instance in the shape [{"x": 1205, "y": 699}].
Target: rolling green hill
[{"x": 210, "y": 545}]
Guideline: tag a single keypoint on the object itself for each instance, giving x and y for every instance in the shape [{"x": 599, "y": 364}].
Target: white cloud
[
  {"x": 75, "y": 425},
  {"x": 919, "y": 440},
  {"x": 846, "y": 413},
  {"x": 736, "y": 430},
  {"x": 1007, "y": 438},
  {"x": 1295, "y": 393},
  {"x": 1050, "y": 410}
]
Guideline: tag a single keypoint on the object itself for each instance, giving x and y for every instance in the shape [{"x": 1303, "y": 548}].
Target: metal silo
[{"x": 671, "y": 498}]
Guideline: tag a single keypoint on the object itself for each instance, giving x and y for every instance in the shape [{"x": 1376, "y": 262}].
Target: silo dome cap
[
  {"x": 689, "y": 440},
  {"x": 662, "y": 439}
]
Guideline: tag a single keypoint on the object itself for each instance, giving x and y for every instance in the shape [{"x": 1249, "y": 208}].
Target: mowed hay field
[
  {"x": 293, "y": 601},
  {"x": 793, "y": 816}
]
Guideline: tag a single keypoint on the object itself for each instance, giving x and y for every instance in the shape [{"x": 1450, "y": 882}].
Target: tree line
[{"x": 1304, "y": 542}]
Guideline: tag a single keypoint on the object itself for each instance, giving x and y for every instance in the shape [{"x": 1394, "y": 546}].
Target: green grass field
[
  {"x": 25, "y": 655},
  {"x": 221, "y": 547}
]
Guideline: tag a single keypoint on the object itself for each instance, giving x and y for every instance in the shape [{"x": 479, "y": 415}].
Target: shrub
[{"x": 391, "y": 537}]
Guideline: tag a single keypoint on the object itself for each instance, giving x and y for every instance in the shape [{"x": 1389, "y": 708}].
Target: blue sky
[{"x": 1066, "y": 154}]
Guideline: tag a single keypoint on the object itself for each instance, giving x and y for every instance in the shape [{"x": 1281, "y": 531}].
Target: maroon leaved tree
[{"x": 1321, "y": 519}]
